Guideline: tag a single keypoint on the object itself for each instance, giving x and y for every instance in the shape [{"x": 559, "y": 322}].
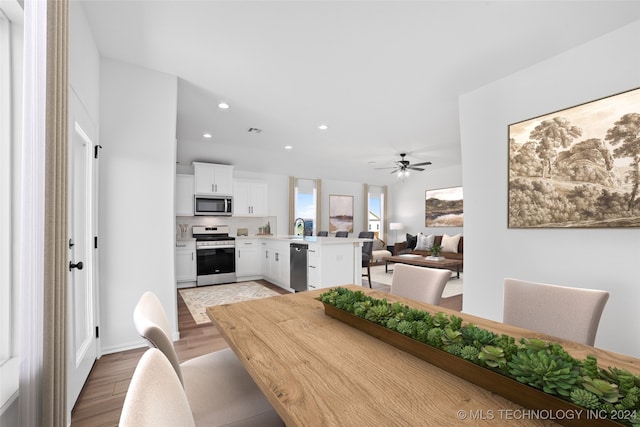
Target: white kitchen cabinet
[
  {"x": 248, "y": 263},
  {"x": 185, "y": 260},
  {"x": 213, "y": 179},
  {"x": 333, "y": 265},
  {"x": 250, "y": 198},
  {"x": 313, "y": 267},
  {"x": 184, "y": 195},
  {"x": 275, "y": 263}
]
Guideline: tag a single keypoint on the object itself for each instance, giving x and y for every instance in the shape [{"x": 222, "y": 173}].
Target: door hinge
[
  {"x": 95, "y": 242},
  {"x": 95, "y": 150},
  {"x": 97, "y": 331}
]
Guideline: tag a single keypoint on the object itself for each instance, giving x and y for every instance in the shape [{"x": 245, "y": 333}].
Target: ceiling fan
[{"x": 403, "y": 165}]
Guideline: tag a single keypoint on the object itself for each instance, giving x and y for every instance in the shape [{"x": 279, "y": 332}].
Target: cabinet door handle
[
  {"x": 181, "y": 246},
  {"x": 191, "y": 256}
]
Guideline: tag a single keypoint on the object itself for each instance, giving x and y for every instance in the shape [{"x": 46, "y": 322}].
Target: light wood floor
[{"x": 101, "y": 399}]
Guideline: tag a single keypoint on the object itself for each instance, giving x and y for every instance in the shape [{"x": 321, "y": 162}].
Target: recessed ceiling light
[
  {"x": 323, "y": 127},
  {"x": 288, "y": 147},
  {"x": 223, "y": 105},
  {"x": 207, "y": 135}
]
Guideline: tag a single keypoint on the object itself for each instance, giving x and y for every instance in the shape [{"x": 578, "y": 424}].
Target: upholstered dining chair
[
  {"x": 323, "y": 233},
  {"x": 367, "y": 252},
  {"x": 342, "y": 234},
  {"x": 218, "y": 388},
  {"x": 419, "y": 283},
  {"x": 155, "y": 396},
  {"x": 564, "y": 312}
]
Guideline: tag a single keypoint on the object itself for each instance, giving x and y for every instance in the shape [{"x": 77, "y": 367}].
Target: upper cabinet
[
  {"x": 212, "y": 179},
  {"x": 250, "y": 198},
  {"x": 184, "y": 195}
]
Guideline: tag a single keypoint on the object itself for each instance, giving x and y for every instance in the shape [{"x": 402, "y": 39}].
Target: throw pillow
[
  {"x": 411, "y": 241},
  {"x": 424, "y": 242},
  {"x": 378, "y": 245},
  {"x": 450, "y": 243}
]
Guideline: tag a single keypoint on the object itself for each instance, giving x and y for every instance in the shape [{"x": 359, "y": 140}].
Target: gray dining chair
[
  {"x": 218, "y": 387},
  {"x": 564, "y": 312},
  {"x": 155, "y": 396},
  {"x": 342, "y": 234},
  {"x": 367, "y": 252},
  {"x": 419, "y": 283},
  {"x": 323, "y": 233}
]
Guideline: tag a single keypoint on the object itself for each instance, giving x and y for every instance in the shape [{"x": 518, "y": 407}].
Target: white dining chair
[
  {"x": 564, "y": 312},
  {"x": 219, "y": 389},
  {"x": 155, "y": 397},
  {"x": 419, "y": 283}
]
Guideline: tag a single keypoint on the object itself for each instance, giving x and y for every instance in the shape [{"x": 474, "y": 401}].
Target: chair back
[
  {"x": 564, "y": 312},
  {"x": 152, "y": 324},
  {"x": 367, "y": 247},
  {"x": 342, "y": 234},
  {"x": 419, "y": 283},
  {"x": 155, "y": 396},
  {"x": 323, "y": 233}
]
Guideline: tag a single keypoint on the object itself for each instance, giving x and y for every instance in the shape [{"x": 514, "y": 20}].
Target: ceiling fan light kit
[{"x": 403, "y": 167}]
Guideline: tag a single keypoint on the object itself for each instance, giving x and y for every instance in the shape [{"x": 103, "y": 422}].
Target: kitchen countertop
[{"x": 308, "y": 239}]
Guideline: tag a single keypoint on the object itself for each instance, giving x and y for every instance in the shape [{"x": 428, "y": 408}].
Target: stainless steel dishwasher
[{"x": 298, "y": 267}]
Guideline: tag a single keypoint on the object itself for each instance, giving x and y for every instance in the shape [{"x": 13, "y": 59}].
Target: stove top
[{"x": 207, "y": 236}]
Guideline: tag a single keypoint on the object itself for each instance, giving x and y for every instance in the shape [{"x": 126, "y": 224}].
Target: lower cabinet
[
  {"x": 248, "y": 265},
  {"x": 275, "y": 262},
  {"x": 333, "y": 265},
  {"x": 186, "y": 270}
]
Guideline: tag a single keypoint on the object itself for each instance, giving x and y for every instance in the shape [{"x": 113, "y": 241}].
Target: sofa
[{"x": 411, "y": 246}]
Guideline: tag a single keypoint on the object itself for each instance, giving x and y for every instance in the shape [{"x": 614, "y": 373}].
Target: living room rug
[
  {"x": 198, "y": 299},
  {"x": 454, "y": 286}
]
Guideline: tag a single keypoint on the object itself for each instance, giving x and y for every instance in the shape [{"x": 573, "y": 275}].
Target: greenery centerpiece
[
  {"x": 435, "y": 250},
  {"x": 612, "y": 394}
]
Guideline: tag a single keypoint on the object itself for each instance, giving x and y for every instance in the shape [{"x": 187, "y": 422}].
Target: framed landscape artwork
[
  {"x": 340, "y": 213},
  {"x": 578, "y": 167},
  {"x": 443, "y": 208}
]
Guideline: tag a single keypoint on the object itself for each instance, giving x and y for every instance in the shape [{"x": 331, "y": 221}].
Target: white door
[{"x": 81, "y": 290}]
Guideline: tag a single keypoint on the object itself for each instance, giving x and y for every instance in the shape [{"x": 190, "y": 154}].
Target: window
[
  {"x": 376, "y": 210},
  {"x": 10, "y": 58},
  {"x": 305, "y": 204},
  {"x": 5, "y": 189}
]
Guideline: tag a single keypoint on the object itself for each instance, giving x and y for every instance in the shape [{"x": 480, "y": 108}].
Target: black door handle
[{"x": 72, "y": 265}]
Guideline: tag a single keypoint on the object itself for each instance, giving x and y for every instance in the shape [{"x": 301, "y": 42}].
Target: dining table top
[{"x": 317, "y": 371}]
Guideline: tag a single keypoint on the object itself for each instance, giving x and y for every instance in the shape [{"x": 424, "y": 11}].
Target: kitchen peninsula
[{"x": 329, "y": 262}]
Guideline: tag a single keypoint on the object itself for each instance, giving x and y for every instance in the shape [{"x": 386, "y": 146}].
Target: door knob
[{"x": 77, "y": 265}]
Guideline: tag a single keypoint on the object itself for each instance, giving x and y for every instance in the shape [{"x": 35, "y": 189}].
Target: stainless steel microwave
[{"x": 213, "y": 205}]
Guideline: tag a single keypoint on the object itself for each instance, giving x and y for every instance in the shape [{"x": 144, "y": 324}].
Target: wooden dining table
[{"x": 318, "y": 371}]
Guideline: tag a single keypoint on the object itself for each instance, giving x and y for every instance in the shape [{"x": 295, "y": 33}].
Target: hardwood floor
[{"x": 102, "y": 397}]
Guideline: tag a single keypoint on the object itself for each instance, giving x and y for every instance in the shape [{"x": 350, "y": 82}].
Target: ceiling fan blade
[
  {"x": 422, "y": 164},
  {"x": 391, "y": 167},
  {"x": 415, "y": 168},
  {"x": 394, "y": 171}
]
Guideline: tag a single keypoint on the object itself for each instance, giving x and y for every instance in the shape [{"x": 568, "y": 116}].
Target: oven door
[{"x": 216, "y": 265}]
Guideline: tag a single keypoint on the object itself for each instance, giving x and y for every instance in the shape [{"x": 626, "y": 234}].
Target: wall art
[
  {"x": 578, "y": 167},
  {"x": 340, "y": 213},
  {"x": 443, "y": 208}
]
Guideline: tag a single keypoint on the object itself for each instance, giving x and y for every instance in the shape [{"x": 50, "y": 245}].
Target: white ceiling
[{"x": 384, "y": 76}]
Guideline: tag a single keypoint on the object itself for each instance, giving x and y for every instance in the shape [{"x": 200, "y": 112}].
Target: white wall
[
  {"x": 588, "y": 258},
  {"x": 137, "y": 173},
  {"x": 407, "y": 202}
]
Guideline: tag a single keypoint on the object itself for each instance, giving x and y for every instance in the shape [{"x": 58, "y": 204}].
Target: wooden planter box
[{"x": 517, "y": 392}]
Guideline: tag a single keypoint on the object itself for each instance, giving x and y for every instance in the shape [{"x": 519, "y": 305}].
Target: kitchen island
[{"x": 331, "y": 261}]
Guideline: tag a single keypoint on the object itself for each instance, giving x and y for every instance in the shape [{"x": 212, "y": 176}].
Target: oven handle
[{"x": 215, "y": 247}]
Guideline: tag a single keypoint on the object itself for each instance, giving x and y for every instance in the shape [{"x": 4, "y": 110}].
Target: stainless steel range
[{"x": 216, "y": 255}]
